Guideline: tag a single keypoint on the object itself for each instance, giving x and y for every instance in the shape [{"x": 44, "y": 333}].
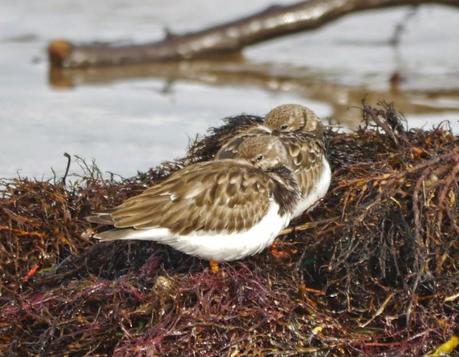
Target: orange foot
[
  {"x": 213, "y": 266},
  {"x": 280, "y": 250}
]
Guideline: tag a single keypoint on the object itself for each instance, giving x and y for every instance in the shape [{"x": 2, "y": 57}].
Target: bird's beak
[{"x": 275, "y": 132}]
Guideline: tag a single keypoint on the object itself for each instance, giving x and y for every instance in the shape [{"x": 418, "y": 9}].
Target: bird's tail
[
  {"x": 104, "y": 218},
  {"x": 155, "y": 234}
]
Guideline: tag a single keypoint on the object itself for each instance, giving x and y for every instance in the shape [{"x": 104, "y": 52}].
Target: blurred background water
[{"x": 132, "y": 118}]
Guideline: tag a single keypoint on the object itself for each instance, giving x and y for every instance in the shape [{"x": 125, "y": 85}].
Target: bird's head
[
  {"x": 264, "y": 151},
  {"x": 289, "y": 118}
]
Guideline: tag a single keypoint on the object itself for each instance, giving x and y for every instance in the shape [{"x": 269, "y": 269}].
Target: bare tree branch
[{"x": 222, "y": 39}]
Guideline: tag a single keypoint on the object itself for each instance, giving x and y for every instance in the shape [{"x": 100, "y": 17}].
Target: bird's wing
[
  {"x": 224, "y": 195},
  {"x": 206, "y": 148},
  {"x": 100, "y": 218},
  {"x": 306, "y": 152},
  {"x": 230, "y": 149}
]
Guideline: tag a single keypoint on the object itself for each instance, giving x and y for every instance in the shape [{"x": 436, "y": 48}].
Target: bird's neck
[{"x": 286, "y": 191}]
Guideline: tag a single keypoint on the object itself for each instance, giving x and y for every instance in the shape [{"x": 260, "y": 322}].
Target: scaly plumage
[
  {"x": 222, "y": 210},
  {"x": 301, "y": 132}
]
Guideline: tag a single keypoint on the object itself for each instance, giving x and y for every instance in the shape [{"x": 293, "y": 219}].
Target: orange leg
[
  {"x": 213, "y": 266},
  {"x": 283, "y": 252}
]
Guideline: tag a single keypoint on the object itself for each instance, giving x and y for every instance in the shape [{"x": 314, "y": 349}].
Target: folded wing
[
  {"x": 306, "y": 152},
  {"x": 224, "y": 195}
]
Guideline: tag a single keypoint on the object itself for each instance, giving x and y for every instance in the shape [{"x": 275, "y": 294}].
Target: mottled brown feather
[
  {"x": 210, "y": 196},
  {"x": 100, "y": 218},
  {"x": 297, "y": 118},
  {"x": 305, "y": 152},
  {"x": 231, "y": 148}
]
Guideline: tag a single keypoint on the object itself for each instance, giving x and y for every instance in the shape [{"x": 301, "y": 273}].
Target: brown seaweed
[{"x": 372, "y": 270}]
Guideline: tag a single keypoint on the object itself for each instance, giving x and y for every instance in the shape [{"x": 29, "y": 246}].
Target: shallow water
[{"x": 133, "y": 118}]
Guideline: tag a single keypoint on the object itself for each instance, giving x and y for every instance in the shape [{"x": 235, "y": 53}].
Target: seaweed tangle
[{"x": 372, "y": 270}]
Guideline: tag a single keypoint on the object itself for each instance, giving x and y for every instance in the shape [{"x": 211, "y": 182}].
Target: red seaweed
[{"x": 372, "y": 270}]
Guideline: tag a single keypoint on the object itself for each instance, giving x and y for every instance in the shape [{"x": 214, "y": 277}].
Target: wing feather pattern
[
  {"x": 208, "y": 197},
  {"x": 230, "y": 148},
  {"x": 306, "y": 152},
  {"x": 304, "y": 149}
]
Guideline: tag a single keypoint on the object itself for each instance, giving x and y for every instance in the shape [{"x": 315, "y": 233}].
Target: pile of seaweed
[{"x": 372, "y": 270}]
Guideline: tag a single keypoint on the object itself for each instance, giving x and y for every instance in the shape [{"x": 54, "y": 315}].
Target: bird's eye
[
  {"x": 284, "y": 126},
  {"x": 259, "y": 158}
]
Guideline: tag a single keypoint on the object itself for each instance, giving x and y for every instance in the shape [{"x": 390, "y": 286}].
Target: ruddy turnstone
[
  {"x": 220, "y": 210},
  {"x": 301, "y": 132},
  {"x": 205, "y": 148}
]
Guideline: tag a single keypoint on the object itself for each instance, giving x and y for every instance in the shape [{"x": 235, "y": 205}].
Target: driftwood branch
[{"x": 223, "y": 39}]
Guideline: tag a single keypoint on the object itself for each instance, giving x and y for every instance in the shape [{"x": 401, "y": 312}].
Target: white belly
[
  {"x": 319, "y": 191},
  {"x": 221, "y": 247}
]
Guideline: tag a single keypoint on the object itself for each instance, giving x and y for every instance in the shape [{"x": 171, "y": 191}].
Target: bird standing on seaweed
[{"x": 220, "y": 210}]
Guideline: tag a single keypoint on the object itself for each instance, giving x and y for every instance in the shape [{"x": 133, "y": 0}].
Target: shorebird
[
  {"x": 301, "y": 132},
  {"x": 219, "y": 210}
]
